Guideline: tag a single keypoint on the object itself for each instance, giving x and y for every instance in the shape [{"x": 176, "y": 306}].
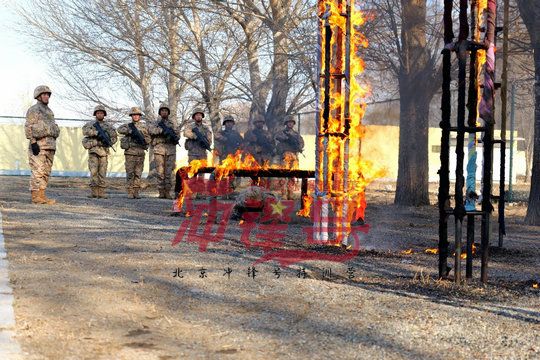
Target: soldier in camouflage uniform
[
  {"x": 135, "y": 143},
  {"x": 42, "y": 131},
  {"x": 290, "y": 143},
  {"x": 165, "y": 136},
  {"x": 253, "y": 198},
  {"x": 259, "y": 143},
  {"x": 196, "y": 148},
  {"x": 228, "y": 141},
  {"x": 98, "y": 150}
]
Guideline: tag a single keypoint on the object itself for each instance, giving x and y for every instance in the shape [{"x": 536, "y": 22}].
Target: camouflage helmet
[
  {"x": 135, "y": 111},
  {"x": 41, "y": 89},
  {"x": 228, "y": 118},
  {"x": 164, "y": 105},
  {"x": 258, "y": 118},
  {"x": 100, "y": 107},
  {"x": 289, "y": 118},
  {"x": 197, "y": 111}
]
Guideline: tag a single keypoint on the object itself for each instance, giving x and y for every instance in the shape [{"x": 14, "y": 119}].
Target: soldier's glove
[{"x": 35, "y": 149}]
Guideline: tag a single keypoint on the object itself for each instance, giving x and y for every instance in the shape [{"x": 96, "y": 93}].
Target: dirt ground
[{"x": 94, "y": 279}]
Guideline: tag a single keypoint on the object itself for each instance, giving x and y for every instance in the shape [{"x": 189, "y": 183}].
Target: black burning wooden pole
[
  {"x": 472, "y": 107},
  {"x": 487, "y": 114},
  {"x": 504, "y": 101},
  {"x": 446, "y": 113},
  {"x": 459, "y": 209}
]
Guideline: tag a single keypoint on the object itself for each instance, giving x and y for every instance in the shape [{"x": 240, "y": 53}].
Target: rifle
[
  {"x": 201, "y": 139},
  {"x": 136, "y": 135},
  {"x": 263, "y": 141},
  {"x": 171, "y": 135},
  {"x": 293, "y": 140},
  {"x": 103, "y": 136}
]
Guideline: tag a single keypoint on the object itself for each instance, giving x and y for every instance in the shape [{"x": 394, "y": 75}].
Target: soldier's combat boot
[
  {"x": 35, "y": 197},
  {"x": 130, "y": 194},
  {"x": 136, "y": 193},
  {"x": 167, "y": 193},
  {"x": 94, "y": 192},
  {"x": 101, "y": 193},
  {"x": 45, "y": 199},
  {"x": 161, "y": 194}
]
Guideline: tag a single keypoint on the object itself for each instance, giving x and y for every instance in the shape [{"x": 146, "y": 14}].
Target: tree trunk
[
  {"x": 413, "y": 168},
  {"x": 416, "y": 91},
  {"x": 530, "y": 13},
  {"x": 533, "y": 209},
  {"x": 277, "y": 108}
]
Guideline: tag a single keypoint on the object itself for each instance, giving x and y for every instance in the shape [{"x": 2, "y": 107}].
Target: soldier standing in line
[
  {"x": 198, "y": 137},
  {"x": 99, "y": 136},
  {"x": 290, "y": 143},
  {"x": 135, "y": 143},
  {"x": 259, "y": 142},
  {"x": 41, "y": 130},
  {"x": 165, "y": 136},
  {"x": 229, "y": 140}
]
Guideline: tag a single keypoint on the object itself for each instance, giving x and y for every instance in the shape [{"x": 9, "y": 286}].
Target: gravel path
[{"x": 94, "y": 279}]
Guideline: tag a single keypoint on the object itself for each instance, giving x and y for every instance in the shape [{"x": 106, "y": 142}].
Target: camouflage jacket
[
  {"x": 128, "y": 143},
  {"x": 91, "y": 140},
  {"x": 227, "y": 142},
  {"x": 289, "y": 141},
  {"x": 193, "y": 147},
  {"x": 254, "y": 145},
  {"x": 40, "y": 126},
  {"x": 162, "y": 144}
]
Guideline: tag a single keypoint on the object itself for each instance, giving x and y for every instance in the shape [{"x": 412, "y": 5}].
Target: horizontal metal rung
[
  {"x": 334, "y": 75},
  {"x": 467, "y": 129},
  {"x": 474, "y": 212}
]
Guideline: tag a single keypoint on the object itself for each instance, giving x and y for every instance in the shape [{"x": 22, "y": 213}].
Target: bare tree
[
  {"x": 405, "y": 41},
  {"x": 280, "y": 28},
  {"x": 98, "y": 47},
  {"x": 530, "y": 13}
]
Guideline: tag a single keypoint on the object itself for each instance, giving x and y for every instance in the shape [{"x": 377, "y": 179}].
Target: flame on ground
[{"x": 407, "y": 252}]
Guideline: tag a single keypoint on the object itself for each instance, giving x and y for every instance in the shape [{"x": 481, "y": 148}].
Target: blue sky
[{"x": 22, "y": 69}]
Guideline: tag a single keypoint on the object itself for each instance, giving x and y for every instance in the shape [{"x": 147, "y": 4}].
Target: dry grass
[{"x": 93, "y": 279}]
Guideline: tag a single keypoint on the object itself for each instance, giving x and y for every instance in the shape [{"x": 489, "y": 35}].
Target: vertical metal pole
[{"x": 512, "y": 125}]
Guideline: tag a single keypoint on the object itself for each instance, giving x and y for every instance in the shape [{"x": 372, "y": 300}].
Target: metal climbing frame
[{"x": 479, "y": 108}]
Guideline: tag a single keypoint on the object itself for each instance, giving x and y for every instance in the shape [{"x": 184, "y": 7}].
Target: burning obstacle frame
[
  {"x": 480, "y": 120},
  {"x": 339, "y": 176},
  {"x": 254, "y": 174}
]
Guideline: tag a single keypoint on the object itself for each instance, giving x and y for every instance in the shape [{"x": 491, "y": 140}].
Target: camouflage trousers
[
  {"x": 134, "y": 169},
  {"x": 40, "y": 166},
  {"x": 289, "y": 160},
  {"x": 98, "y": 170},
  {"x": 165, "y": 165}
]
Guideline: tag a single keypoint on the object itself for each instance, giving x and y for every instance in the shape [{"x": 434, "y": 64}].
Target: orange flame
[
  {"x": 307, "y": 200},
  {"x": 345, "y": 148},
  {"x": 433, "y": 251},
  {"x": 407, "y": 252}
]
